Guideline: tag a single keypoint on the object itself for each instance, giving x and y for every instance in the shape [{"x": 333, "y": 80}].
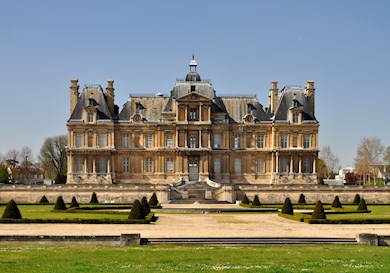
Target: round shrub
[
  {"x": 94, "y": 199},
  {"x": 74, "y": 203},
  {"x": 362, "y": 204},
  {"x": 356, "y": 200},
  {"x": 245, "y": 200},
  {"x": 136, "y": 212},
  {"x": 319, "y": 212},
  {"x": 302, "y": 199},
  {"x": 153, "y": 201},
  {"x": 44, "y": 200},
  {"x": 287, "y": 207},
  {"x": 11, "y": 211},
  {"x": 256, "y": 201},
  {"x": 145, "y": 206},
  {"x": 60, "y": 204},
  {"x": 336, "y": 203}
]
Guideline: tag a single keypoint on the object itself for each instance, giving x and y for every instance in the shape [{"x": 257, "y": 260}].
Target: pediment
[{"x": 193, "y": 97}]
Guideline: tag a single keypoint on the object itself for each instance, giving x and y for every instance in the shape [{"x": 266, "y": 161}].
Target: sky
[{"x": 240, "y": 45}]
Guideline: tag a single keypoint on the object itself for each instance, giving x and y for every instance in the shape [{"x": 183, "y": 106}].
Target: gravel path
[{"x": 203, "y": 225}]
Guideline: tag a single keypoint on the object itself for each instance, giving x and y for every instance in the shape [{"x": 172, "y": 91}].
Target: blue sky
[{"x": 240, "y": 45}]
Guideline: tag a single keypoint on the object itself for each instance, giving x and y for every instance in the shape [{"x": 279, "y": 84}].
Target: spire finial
[
  {"x": 193, "y": 63},
  {"x": 193, "y": 56}
]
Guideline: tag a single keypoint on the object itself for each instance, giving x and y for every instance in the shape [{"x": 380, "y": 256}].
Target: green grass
[
  {"x": 45, "y": 212},
  {"x": 176, "y": 258}
]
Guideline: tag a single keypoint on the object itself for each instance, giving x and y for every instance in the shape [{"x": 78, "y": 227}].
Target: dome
[{"x": 193, "y": 76}]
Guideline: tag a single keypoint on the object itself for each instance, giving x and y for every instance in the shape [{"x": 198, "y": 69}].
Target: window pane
[
  {"x": 283, "y": 141},
  {"x": 261, "y": 165},
  {"x": 237, "y": 142},
  {"x": 217, "y": 165},
  {"x": 102, "y": 140},
  {"x": 102, "y": 168},
  {"x": 79, "y": 140},
  {"x": 260, "y": 141},
  {"x": 169, "y": 164},
  {"x": 306, "y": 141},
  {"x": 149, "y": 141},
  {"x": 126, "y": 164},
  {"x": 125, "y": 141},
  {"x": 217, "y": 141},
  {"x": 149, "y": 165},
  {"x": 237, "y": 165},
  {"x": 169, "y": 141}
]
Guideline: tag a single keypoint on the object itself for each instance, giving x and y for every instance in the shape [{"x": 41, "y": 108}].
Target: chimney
[
  {"x": 310, "y": 95},
  {"x": 273, "y": 97},
  {"x": 110, "y": 95},
  {"x": 74, "y": 94}
]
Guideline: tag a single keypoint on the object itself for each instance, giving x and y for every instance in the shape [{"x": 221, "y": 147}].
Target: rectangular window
[
  {"x": 306, "y": 141},
  {"x": 102, "y": 140},
  {"x": 260, "y": 141},
  {"x": 217, "y": 165},
  {"x": 261, "y": 165},
  {"x": 306, "y": 166},
  {"x": 169, "y": 141},
  {"x": 125, "y": 165},
  {"x": 295, "y": 118},
  {"x": 283, "y": 165},
  {"x": 193, "y": 141},
  {"x": 149, "y": 141},
  {"x": 90, "y": 117},
  {"x": 149, "y": 165},
  {"x": 79, "y": 164},
  {"x": 283, "y": 141},
  {"x": 217, "y": 141},
  {"x": 169, "y": 165},
  {"x": 125, "y": 140},
  {"x": 237, "y": 141},
  {"x": 237, "y": 165},
  {"x": 102, "y": 165},
  {"x": 79, "y": 140},
  {"x": 193, "y": 114}
]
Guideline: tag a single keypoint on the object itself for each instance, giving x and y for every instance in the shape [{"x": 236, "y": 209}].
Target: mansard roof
[
  {"x": 98, "y": 101},
  {"x": 149, "y": 107},
  {"x": 293, "y": 97}
]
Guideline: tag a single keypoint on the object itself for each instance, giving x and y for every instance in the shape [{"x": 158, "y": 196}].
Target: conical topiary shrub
[
  {"x": 60, "y": 204},
  {"x": 74, "y": 203},
  {"x": 153, "y": 201},
  {"x": 94, "y": 199},
  {"x": 145, "y": 206},
  {"x": 319, "y": 212},
  {"x": 11, "y": 211},
  {"x": 245, "y": 200},
  {"x": 44, "y": 200},
  {"x": 136, "y": 212},
  {"x": 362, "y": 204},
  {"x": 287, "y": 207},
  {"x": 256, "y": 201},
  {"x": 336, "y": 203},
  {"x": 356, "y": 200},
  {"x": 302, "y": 199}
]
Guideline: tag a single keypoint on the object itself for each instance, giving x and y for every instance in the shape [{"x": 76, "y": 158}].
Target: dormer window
[
  {"x": 193, "y": 115},
  {"x": 295, "y": 117},
  {"x": 90, "y": 117},
  {"x": 192, "y": 88}
]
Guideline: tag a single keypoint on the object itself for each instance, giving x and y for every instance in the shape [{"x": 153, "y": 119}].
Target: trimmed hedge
[
  {"x": 74, "y": 203},
  {"x": 136, "y": 211},
  {"x": 44, "y": 200},
  {"x": 356, "y": 200},
  {"x": 347, "y": 221},
  {"x": 287, "y": 207},
  {"x": 94, "y": 199},
  {"x": 319, "y": 212},
  {"x": 145, "y": 206},
  {"x": 245, "y": 200},
  {"x": 153, "y": 201},
  {"x": 302, "y": 199},
  {"x": 60, "y": 204},
  {"x": 336, "y": 203},
  {"x": 362, "y": 205},
  {"x": 11, "y": 211},
  {"x": 256, "y": 202}
]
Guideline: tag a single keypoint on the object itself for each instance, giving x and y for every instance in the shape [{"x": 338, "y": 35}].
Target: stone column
[
  {"x": 200, "y": 138},
  {"x": 291, "y": 164},
  {"x": 300, "y": 165},
  {"x": 277, "y": 163},
  {"x": 314, "y": 164}
]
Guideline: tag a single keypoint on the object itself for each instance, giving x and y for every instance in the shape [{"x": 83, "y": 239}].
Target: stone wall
[{"x": 83, "y": 193}]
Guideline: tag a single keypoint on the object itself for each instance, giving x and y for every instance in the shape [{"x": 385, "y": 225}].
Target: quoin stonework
[{"x": 192, "y": 135}]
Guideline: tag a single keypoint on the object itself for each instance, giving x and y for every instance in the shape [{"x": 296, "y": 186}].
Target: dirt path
[{"x": 203, "y": 225}]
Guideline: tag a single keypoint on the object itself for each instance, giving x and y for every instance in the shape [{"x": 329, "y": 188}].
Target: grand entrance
[{"x": 193, "y": 169}]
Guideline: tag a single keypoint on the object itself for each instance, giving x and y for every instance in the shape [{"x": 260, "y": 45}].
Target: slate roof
[{"x": 149, "y": 108}]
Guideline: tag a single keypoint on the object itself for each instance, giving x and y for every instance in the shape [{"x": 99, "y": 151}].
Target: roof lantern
[{"x": 193, "y": 76}]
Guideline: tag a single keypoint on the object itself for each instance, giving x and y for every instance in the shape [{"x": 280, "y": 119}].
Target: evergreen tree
[
  {"x": 356, "y": 200},
  {"x": 60, "y": 204},
  {"x": 74, "y": 203},
  {"x": 302, "y": 199},
  {"x": 245, "y": 200},
  {"x": 145, "y": 206},
  {"x": 94, "y": 199},
  {"x": 136, "y": 212},
  {"x": 256, "y": 201},
  {"x": 287, "y": 207},
  {"x": 44, "y": 200},
  {"x": 153, "y": 201},
  {"x": 11, "y": 211},
  {"x": 362, "y": 204},
  {"x": 319, "y": 212},
  {"x": 336, "y": 203}
]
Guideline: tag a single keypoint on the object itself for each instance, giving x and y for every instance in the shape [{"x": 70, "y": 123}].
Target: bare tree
[
  {"x": 13, "y": 156},
  {"x": 330, "y": 160},
  {"x": 27, "y": 157},
  {"x": 53, "y": 156},
  {"x": 386, "y": 156},
  {"x": 368, "y": 157}
]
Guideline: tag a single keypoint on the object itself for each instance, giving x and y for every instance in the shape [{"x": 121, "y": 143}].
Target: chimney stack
[
  {"x": 310, "y": 95},
  {"x": 273, "y": 96},
  {"x": 110, "y": 95},
  {"x": 74, "y": 94}
]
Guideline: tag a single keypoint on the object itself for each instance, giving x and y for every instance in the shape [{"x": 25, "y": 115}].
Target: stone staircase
[{"x": 191, "y": 192}]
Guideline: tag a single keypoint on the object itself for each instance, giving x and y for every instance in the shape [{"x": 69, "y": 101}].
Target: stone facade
[{"x": 192, "y": 135}]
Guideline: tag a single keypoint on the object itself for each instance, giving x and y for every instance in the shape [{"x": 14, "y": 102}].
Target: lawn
[{"x": 176, "y": 258}]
